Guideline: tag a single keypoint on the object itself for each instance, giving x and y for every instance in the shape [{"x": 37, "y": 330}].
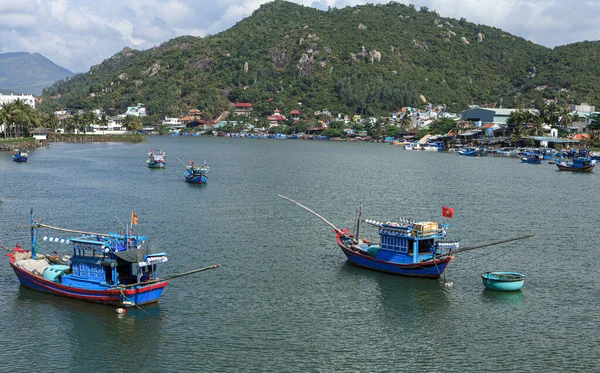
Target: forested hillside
[{"x": 368, "y": 60}]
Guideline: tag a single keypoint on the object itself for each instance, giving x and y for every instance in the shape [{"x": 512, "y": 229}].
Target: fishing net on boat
[{"x": 35, "y": 266}]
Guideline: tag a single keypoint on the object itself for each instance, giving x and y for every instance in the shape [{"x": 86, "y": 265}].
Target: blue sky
[{"x": 77, "y": 34}]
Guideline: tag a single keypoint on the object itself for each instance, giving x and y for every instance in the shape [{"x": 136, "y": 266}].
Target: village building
[
  {"x": 27, "y": 99},
  {"x": 276, "y": 119},
  {"x": 487, "y": 115},
  {"x": 295, "y": 114},
  {"x": 243, "y": 108}
]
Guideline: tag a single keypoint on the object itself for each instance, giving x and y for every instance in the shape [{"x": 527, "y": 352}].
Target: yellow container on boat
[{"x": 426, "y": 227}]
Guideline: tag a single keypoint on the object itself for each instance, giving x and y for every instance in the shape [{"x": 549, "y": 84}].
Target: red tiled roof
[
  {"x": 243, "y": 104},
  {"x": 487, "y": 125},
  {"x": 276, "y": 117},
  {"x": 295, "y": 112},
  {"x": 580, "y": 136}
]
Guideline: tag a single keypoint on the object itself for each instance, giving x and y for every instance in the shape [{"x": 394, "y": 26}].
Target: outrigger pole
[
  {"x": 35, "y": 225},
  {"x": 170, "y": 277},
  {"x": 485, "y": 245},
  {"x": 182, "y": 162},
  {"x": 312, "y": 212}
]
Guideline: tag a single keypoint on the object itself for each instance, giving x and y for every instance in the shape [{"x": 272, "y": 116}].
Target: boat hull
[
  {"x": 19, "y": 159},
  {"x": 575, "y": 169},
  {"x": 531, "y": 160},
  {"x": 194, "y": 178},
  {"x": 428, "y": 269},
  {"x": 156, "y": 164},
  {"x": 503, "y": 281},
  {"x": 129, "y": 297}
]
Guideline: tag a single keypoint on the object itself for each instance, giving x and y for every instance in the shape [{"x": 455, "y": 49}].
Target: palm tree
[
  {"x": 538, "y": 125},
  {"x": 132, "y": 123},
  {"x": 13, "y": 113}
]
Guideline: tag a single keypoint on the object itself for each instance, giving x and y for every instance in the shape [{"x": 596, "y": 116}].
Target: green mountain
[
  {"x": 368, "y": 59},
  {"x": 22, "y": 72}
]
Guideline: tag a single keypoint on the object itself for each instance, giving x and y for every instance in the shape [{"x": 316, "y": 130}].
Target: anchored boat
[
  {"x": 156, "y": 159},
  {"x": 108, "y": 268},
  {"x": 503, "y": 281},
  {"x": 578, "y": 164},
  {"x": 407, "y": 247},
  {"x": 20, "y": 155},
  {"x": 195, "y": 173}
]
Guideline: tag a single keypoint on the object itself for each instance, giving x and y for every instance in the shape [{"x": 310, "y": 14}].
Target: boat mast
[
  {"x": 33, "y": 234},
  {"x": 358, "y": 217}
]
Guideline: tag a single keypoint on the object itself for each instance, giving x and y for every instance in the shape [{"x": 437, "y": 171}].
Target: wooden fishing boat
[
  {"x": 194, "y": 173},
  {"x": 114, "y": 269},
  {"x": 20, "y": 155},
  {"x": 578, "y": 164},
  {"x": 533, "y": 158},
  {"x": 503, "y": 281},
  {"x": 406, "y": 247},
  {"x": 156, "y": 159},
  {"x": 473, "y": 152}
]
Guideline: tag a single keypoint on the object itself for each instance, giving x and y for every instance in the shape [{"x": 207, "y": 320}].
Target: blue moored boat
[
  {"x": 578, "y": 164},
  {"x": 532, "y": 158},
  {"x": 408, "y": 247},
  {"x": 113, "y": 268},
  {"x": 503, "y": 281},
  {"x": 156, "y": 159},
  {"x": 20, "y": 155}
]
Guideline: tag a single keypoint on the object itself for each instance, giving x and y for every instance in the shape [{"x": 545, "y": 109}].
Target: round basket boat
[{"x": 503, "y": 281}]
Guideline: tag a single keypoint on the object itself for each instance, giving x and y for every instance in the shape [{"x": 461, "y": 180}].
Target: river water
[{"x": 285, "y": 299}]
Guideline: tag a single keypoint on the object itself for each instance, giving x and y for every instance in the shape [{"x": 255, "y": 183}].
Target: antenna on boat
[
  {"x": 119, "y": 220},
  {"x": 358, "y": 217}
]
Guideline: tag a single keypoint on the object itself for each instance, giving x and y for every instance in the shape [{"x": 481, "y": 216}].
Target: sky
[{"x": 77, "y": 34}]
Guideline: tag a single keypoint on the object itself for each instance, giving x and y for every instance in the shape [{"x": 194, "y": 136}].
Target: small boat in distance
[
  {"x": 473, "y": 152},
  {"x": 578, "y": 164},
  {"x": 533, "y": 158},
  {"x": 503, "y": 281},
  {"x": 194, "y": 173},
  {"x": 156, "y": 159},
  {"x": 108, "y": 268},
  {"x": 20, "y": 155},
  {"x": 407, "y": 247}
]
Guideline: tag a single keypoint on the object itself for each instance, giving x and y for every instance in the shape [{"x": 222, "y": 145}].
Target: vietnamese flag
[{"x": 447, "y": 212}]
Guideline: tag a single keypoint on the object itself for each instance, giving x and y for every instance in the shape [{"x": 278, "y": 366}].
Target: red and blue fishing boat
[
  {"x": 407, "y": 247},
  {"x": 577, "y": 164},
  {"x": 156, "y": 159},
  {"x": 20, "y": 155},
  {"x": 114, "y": 268}
]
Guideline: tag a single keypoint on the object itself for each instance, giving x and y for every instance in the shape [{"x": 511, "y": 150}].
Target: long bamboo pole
[
  {"x": 182, "y": 162},
  {"x": 39, "y": 225},
  {"x": 486, "y": 245},
  {"x": 311, "y": 211},
  {"x": 170, "y": 277}
]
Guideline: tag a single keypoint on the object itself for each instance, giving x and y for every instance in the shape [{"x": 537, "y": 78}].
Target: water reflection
[
  {"x": 502, "y": 297},
  {"x": 403, "y": 296}
]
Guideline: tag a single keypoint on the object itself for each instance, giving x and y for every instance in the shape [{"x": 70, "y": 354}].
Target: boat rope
[
  {"x": 314, "y": 213},
  {"x": 135, "y": 305}
]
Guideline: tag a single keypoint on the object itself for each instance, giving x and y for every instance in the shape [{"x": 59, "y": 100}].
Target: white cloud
[{"x": 79, "y": 33}]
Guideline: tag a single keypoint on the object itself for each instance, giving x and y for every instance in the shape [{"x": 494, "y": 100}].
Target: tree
[
  {"x": 132, "y": 123},
  {"x": 13, "y": 114}
]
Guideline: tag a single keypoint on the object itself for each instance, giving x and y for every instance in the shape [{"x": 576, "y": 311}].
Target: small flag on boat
[
  {"x": 447, "y": 212},
  {"x": 134, "y": 218}
]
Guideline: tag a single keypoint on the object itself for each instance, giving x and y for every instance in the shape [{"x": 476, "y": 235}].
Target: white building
[
  {"x": 28, "y": 99},
  {"x": 136, "y": 111}
]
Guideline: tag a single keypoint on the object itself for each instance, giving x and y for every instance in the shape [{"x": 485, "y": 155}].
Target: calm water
[{"x": 285, "y": 299}]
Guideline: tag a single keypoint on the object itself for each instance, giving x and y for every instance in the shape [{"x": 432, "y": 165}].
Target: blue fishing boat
[
  {"x": 156, "y": 159},
  {"x": 194, "y": 173},
  {"x": 473, "y": 152},
  {"x": 532, "y": 158},
  {"x": 578, "y": 164},
  {"x": 20, "y": 155},
  {"x": 408, "y": 247},
  {"x": 503, "y": 281},
  {"x": 113, "y": 268}
]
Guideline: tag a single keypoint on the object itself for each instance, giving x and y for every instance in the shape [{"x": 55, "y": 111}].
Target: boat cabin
[
  {"x": 419, "y": 240},
  {"x": 111, "y": 260}
]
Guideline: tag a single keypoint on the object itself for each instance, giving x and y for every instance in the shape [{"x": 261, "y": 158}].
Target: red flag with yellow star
[{"x": 447, "y": 212}]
